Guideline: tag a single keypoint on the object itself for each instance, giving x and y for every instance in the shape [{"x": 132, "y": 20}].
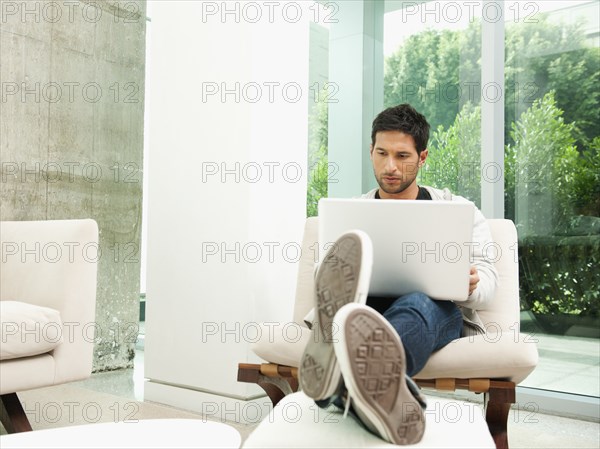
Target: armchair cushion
[
  {"x": 514, "y": 356},
  {"x": 282, "y": 344},
  {"x": 28, "y": 329},
  {"x": 502, "y": 355}
]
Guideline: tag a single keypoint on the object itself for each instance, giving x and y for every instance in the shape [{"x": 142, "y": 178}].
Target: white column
[
  {"x": 356, "y": 67},
  {"x": 492, "y": 111},
  {"x": 227, "y": 193}
]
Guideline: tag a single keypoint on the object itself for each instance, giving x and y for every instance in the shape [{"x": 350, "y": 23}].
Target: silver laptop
[{"x": 418, "y": 245}]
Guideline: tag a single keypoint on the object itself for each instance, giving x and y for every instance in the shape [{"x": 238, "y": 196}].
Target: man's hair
[{"x": 406, "y": 119}]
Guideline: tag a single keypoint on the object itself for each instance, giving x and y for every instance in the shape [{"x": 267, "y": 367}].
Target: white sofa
[{"x": 48, "y": 273}]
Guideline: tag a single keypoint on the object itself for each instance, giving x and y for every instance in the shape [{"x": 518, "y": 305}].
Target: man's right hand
[{"x": 473, "y": 280}]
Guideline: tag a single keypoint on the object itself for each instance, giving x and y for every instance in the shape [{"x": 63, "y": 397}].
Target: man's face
[{"x": 395, "y": 162}]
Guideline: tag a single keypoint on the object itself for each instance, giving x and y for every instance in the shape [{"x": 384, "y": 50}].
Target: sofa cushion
[
  {"x": 28, "y": 329},
  {"x": 27, "y": 373}
]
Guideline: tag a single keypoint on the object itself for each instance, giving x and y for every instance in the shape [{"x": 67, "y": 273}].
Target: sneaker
[
  {"x": 373, "y": 364},
  {"x": 343, "y": 277}
]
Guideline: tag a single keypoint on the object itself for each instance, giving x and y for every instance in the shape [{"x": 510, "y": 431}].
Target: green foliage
[
  {"x": 585, "y": 190},
  {"x": 454, "y": 155},
  {"x": 547, "y": 173},
  {"x": 318, "y": 167},
  {"x": 438, "y": 71},
  {"x": 317, "y": 182},
  {"x": 543, "y": 57},
  {"x": 542, "y": 162},
  {"x": 558, "y": 275},
  {"x": 425, "y": 72},
  {"x": 575, "y": 77}
]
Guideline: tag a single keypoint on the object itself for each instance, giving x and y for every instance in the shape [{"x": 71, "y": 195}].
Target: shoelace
[
  {"x": 347, "y": 407},
  {"x": 416, "y": 392}
]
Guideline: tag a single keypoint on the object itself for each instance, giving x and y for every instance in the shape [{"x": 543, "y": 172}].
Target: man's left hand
[{"x": 473, "y": 280}]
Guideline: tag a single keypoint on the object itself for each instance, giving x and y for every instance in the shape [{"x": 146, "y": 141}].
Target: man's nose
[{"x": 390, "y": 165}]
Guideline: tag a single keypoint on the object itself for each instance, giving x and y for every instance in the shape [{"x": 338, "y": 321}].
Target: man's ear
[
  {"x": 423, "y": 157},
  {"x": 371, "y": 151}
]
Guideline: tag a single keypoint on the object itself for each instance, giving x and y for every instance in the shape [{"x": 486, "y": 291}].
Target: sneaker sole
[
  {"x": 343, "y": 278},
  {"x": 374, "y": 365}
]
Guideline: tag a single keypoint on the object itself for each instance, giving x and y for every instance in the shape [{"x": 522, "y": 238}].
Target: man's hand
[{"x": 473, "y": 280}]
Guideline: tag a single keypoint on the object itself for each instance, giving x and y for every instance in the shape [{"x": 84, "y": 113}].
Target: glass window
[
  {"x": 432, "y": 61},
  {"x": 552, "y": 164},
  {"x": 552, "y": 187}
]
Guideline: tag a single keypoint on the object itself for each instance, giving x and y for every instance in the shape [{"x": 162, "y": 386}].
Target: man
[{"x": 366, "y": 368}]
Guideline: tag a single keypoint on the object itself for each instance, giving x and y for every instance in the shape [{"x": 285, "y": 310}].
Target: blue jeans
[{"x": 424, "y": 325}]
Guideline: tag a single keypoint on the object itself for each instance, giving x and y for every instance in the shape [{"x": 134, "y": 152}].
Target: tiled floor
[{"x": 569, "y": 364}]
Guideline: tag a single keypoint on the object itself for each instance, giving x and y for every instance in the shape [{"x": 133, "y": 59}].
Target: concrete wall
[{"x": 71, "y": 138}]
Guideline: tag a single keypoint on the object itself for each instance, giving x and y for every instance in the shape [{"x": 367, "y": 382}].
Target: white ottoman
[
  {"x": 145, "y": 433},
  {"x": 298, "y": 422}
]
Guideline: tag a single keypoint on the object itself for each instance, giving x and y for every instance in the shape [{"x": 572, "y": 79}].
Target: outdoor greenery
[
  {"x": 454, "y": 154},
  {"x": 552, "y": 153},
  {"x": 318, "y": 174},
  {"x": 438, "y": 71},
  {"x": 543, "y": 163},
  {"x": 559, "y": 275},
  {"x": 557, "y": 266}
]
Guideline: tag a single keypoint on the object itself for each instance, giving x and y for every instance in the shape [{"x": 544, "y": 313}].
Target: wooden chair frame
[
  {"x": 280, "y": 380},
  {"x": 12, "y": 415}
]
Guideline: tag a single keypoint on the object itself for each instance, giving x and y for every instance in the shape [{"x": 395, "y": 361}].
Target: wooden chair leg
[
  {"x": 275, "y": 387},
  {"x": 497, "y": 407},
  {"x": 274, "y": 392},
  {"x": 12, "y": 415}
]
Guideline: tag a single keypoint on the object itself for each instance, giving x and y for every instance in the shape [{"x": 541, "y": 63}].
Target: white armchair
[
  {"x": 48, "y": 275},
  {"x": 491, "y": 364}
]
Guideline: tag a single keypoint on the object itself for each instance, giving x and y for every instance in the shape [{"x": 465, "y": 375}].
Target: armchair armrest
[{"x": 54, "y": 264}]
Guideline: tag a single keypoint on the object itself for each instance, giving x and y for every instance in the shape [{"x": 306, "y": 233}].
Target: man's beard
[{"x": 397, "y": 188}]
